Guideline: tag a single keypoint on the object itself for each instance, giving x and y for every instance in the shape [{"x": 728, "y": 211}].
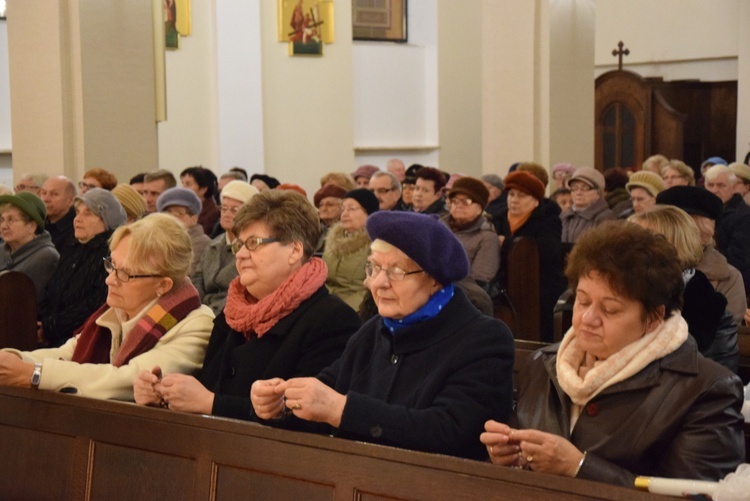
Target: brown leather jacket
[{"x": 678, "y": 418}]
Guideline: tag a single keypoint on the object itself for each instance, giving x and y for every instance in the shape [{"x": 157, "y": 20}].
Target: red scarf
[
  {"x": 95, "y": 341},
  {"x": 247, "y": 315}
]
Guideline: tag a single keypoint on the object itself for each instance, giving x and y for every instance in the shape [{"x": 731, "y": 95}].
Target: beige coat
[
  {"x": 726, "y": 279},
  {"x": 181, "y": 349},
  {"x": 345, "y": 255}
]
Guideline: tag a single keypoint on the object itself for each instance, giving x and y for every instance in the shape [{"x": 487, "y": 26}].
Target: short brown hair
[
  {"x": 434, "y": 175},
  {"x": 164, "y": 174},
  {"x": 105, "y": 178},
  {"x": 635, "y": 262},
  {"x": 290, "y": 217}
]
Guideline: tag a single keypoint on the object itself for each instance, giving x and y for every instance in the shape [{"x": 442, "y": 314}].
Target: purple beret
[{"x": 423, "y": 238}]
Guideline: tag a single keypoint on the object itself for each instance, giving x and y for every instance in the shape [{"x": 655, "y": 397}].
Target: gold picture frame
[
  {"x": 383, "y": 21},
  {"x": 302, "y": 20},
  {"x": 177, "y": 22}
]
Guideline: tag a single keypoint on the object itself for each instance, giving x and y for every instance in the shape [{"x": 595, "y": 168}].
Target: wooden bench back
[
  {"x": 17, "y": 311},
  {"x": 521, "y": 312}
]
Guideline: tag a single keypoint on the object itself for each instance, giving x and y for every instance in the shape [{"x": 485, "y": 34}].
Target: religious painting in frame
[
  {"x": 306, "y": 25},
  {"x": 379, "y": 20},
  {"x": 176, "y": 22}
]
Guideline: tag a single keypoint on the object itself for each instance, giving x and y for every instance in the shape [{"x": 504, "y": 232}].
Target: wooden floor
[{"x": 55, "y": 446}]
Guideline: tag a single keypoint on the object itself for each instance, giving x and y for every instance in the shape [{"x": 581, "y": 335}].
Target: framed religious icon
[
  {"x": 305, "y": 20},
  {"x": 379, "y": 20}
]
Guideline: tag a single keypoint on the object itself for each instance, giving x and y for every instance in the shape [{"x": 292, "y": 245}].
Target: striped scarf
[{"x": 95, "y": 341}]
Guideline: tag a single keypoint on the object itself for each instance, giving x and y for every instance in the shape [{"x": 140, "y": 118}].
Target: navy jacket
[
  {"x": 300, "y": 345},
  {"x": 431, "y": 386}
]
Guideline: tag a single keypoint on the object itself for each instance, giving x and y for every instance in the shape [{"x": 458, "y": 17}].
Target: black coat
[
  {"x": 62, "y": 232},
  {"x": 733, "y": 236},
  {"x": 429, "y": 387},
  {"x": 545, "y": 228},
  {"x": 300, "y": 345},
  {"x": 76, "y": 289}
]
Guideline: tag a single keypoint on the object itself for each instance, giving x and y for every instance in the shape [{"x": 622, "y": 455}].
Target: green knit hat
[{"x": 29, "y": 204}]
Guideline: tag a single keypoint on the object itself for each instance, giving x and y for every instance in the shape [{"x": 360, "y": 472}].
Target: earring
[{"x": 158, "y": 293}]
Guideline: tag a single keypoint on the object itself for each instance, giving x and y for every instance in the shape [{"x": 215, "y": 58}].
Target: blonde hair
[
  {"x": 684, "y": 169},
  {"x": 678, "y": 228},
  {"x": 339, "y": 179},
  {"x": 158, "y": 245},
  {"x": 658, "y": 162}
]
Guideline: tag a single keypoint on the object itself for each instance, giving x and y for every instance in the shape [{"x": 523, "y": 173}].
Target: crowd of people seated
[{"x": 366, "y": 311}]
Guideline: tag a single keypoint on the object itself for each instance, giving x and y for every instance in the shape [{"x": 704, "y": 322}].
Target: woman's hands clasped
[
  {"x": 308, "y": 398},
  {"x": 537, "y": 450},
  {"x": 179, "y": 392}
]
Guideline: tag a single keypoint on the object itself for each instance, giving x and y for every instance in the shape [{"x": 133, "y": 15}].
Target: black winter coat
[
  {"x": 733, "y": 236},
  {"x": 428, "y": 387},
  {"x": 300, "y": 345},
  {"x": 76, "y": 289}
]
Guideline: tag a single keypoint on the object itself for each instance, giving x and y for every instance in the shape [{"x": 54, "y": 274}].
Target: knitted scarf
[
  {"x": 95, "y": 341},
  {"x": 515, "y": 222},
  {"x": 582, "y": 381},
  {"x": 249, "y": 316}
]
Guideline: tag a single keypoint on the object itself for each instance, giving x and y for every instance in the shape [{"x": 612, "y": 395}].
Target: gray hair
[
  {"x": 494, "y": 180},
  {"x": 718, "y": 170},
  {"x": 395, "y": 183}
]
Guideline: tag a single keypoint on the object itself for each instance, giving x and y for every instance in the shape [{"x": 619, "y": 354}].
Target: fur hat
[
  {"x": 472, "y": 188},
  {"x": 525, "y": 182},
  {"x": 365, "y": 198},
  {"x": 649, "y": 181},
  {"x": 423, "y": 238},
  {"x": 741, "y": 170},
  {"x": 105, "y": 205},
  {"x": 182, "y": 197},
  {"x": 591, "y": 177}
]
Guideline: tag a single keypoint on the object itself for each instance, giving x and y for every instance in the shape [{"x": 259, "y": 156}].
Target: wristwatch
[{"x": 36, "y": 376}]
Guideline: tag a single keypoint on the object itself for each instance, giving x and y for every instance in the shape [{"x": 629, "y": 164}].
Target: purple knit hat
[{"x": 425, "y": 240}]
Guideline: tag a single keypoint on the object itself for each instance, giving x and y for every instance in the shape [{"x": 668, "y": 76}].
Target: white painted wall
[{"x": 5, "y": 138}]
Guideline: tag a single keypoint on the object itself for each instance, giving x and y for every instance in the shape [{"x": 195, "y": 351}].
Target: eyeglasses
[
  {"x": 329, "y": 204},
  {"x": 10, "y": 220},
  {"x": 22, "y": 187},
  {"x": 393, "y": 274},
  {"x": 86, "y": 186},
  {"x": 251, "y": 243},
  {"x": 580, "y": 187},
  {"x": 122, "y": 275},
  {"x": 177, "y": 212},
  {"x": 460, "y": 201},
  {"x": 382, "y": 191},
  {"x": 233, "y": 210}
]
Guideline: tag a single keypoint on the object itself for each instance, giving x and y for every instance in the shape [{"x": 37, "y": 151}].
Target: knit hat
[
  {"x": 525, "y": 182},
  {"x": 365, "y": 171},
  {"x": 130, "y": 200},
  {"x": 238, "y": 190},
  {"x": 271, "y": 182},
  {"x": 423, "y": 238},
  {"x": 591, "y": 177},
  {"x": 472, "y": 188},
  {"x": 181, "y": 197},
  {"x": 692, "y": 200},
  {"x": 329, "y": 190},
  {"x": 494, "y": 180},
  {"x": 565, "y": 167},
  {"x": 741, "y": 170},
  {"x": 105, "y": 205},
  {"x": 365, "y": 198},
  {"x": 293, "y": 187},
  {"x": 29, "y": 204},
  {"x": 713, "y": 161},
  {"x": 649, "y": 181}
]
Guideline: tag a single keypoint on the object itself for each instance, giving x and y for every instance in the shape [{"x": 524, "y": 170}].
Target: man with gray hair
[
  {"x": 154, "y": 184},
  {"x": 397, "y": 168},
  {"x": 31, "y": 183},
  {"x": 498, "y": 198},
  {"x": 387, "y": 189},
  {"x": 733, "y": 229}
]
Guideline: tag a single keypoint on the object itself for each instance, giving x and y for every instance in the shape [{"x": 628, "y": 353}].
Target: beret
[
  {"x": 692, "y": 200},
  {"x": 365, "y": 171},
  {"x": 106, "y": 206},
  {"x": 590, "y": 176},
  {"x": 179, "y": 196},
  {"x": 238, "y": 190},
  {"x": 423, "y": 238},
  {"x": 29, "y": 204}
]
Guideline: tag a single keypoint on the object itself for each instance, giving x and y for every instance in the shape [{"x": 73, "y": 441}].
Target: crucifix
[{"x": 619, "y": 52}]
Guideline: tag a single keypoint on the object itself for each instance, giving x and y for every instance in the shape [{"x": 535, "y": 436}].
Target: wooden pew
[
  {"x": 55, "y": 446},
  {"x": 18, "y": 311},
  {"x": 522, "y": 290},
  {"x": 743, "y": 340}
]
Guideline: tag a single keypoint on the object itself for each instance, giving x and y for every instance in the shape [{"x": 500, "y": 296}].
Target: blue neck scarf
[{"x": 429, "y": 310}]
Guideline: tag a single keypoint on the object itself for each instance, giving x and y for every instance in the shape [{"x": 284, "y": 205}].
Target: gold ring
[
  {"x": 490, "y": 450},
  {"x": 529, "y": 459},
  {"x": 296, "y": 406}
]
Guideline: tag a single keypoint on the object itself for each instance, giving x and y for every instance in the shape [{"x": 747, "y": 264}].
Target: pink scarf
[{"x": 247, "y": 315}]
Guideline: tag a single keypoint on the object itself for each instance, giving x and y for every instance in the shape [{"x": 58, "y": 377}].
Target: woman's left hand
[
  {"x": 312, "y": 400},
  {"x": 14, "y": 371},
  {"x": 546, "y": 452},
  {"x": 184, "y": 393}
]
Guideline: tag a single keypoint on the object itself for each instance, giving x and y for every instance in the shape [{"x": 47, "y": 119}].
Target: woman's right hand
[
  {"x": 143, "y": 387},
  {"x": 266, "y": 402}
]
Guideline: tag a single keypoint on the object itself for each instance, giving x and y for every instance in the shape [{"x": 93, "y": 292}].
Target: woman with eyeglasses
[
  {"x": 426, "y": 372},
  {"x": 216, "y": 268},
  {"x": 347, "y": 247},
  {"x": 97, "y": 178},
  {"x": 467, "y": 200},
  {"x": 279, "y": 320},
  {"x": 530, "y": 215},
  {"x": 152, "y": 317}
]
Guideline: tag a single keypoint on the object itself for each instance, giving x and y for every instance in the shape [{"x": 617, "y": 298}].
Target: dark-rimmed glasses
[
  {"x": 393, "y": 274},
  {"x": 122, "y": 275},
  {"x": 251, "y": 243}
]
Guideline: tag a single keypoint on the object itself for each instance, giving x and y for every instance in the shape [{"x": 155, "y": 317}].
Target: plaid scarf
[{"x": 95, "y": 341}]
